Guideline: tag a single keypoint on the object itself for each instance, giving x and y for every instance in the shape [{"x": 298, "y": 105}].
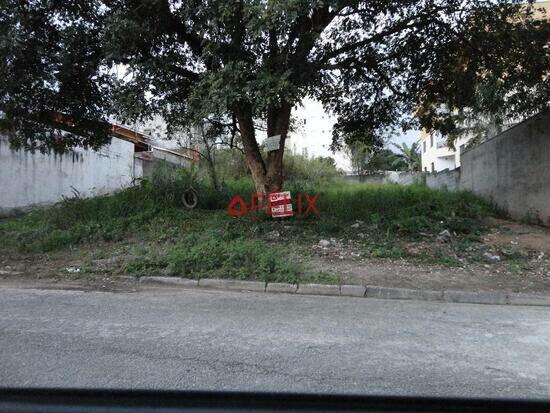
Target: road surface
[{"x": 213, "y": 340}]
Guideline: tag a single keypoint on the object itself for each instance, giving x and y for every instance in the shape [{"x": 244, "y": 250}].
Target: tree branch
[
  {"x": 189, "y": 74},
  {"x": 397, "y": 28},
  {"x": 195, "y": 42}
]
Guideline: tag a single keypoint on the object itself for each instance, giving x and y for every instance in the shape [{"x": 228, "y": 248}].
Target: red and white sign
[{"x": 280, "y": 204}]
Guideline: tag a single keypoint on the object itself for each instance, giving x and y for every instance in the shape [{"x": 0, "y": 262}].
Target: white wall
[
  {"x": 35, "y": 179},
  {"x": 442, "y": 157}
]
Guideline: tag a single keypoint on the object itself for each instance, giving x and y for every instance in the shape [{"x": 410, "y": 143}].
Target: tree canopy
[{"x": 376, "y": 64}]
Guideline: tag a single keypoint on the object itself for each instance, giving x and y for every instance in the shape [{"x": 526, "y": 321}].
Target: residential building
[{"x": 437, "y": 155}]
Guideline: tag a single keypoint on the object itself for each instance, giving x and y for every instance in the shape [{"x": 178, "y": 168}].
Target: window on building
[
  {"x": 431, "y": 141},
  {"x": 425, "y": 169},
  {"x": 433, "y": 167},
  {"x": 424, "y": 146}
]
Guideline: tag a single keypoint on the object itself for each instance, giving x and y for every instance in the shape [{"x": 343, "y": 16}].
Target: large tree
[{"x": 373, "y": 63}]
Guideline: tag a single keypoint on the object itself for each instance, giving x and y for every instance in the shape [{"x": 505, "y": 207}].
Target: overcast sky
[{"x": 316, "y": 134}]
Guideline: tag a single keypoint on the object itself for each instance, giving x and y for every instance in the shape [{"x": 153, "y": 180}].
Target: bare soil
[{"x": 511, "y": 257}]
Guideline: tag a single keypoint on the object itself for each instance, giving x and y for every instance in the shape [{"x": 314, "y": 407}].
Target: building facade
[{"x": 437, "y": 155}]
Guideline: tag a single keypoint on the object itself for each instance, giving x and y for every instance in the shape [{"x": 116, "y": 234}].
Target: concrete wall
[
  {"x": 171, "y": 157},
  {"x": 387, "y": 177},
  {"x": 513, "y": 170},
  {"x": 146, "y": 162},
  {"x": 447, "y": 180},
  {"x": 30, "y": 180}
]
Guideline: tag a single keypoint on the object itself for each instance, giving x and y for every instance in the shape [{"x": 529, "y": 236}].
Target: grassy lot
[{"x": 146, "y": 230}]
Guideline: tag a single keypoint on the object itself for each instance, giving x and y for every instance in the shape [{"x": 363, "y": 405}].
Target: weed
[
  {"x": 208, "y": 242},
  {"x": 212, "y": 257},
  {"x": 320, "y": 278}
]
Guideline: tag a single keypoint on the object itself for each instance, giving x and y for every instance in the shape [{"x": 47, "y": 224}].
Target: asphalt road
[{"x": 211, "y": 340}]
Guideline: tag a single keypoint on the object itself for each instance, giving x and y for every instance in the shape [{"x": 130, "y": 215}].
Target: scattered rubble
[
  {"x": 357, "y": 223},
  {"x": 273, "y": 235},
  {"x": 444, "y": 236},
  {"x": 491, "y": 257}
]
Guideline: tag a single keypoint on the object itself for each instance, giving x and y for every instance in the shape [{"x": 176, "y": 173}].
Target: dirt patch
[
  {"x": 517, "y": 236},
  {"x": 401, "y": 273},
  {"x": 512, "y": 257},
  {"x": 97, "y": 267}
]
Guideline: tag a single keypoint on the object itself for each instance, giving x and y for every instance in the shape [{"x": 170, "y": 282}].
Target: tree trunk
[
  {"x": 277, "y": 124},
  {"x": 267, "y": 175},
  {"x": 251, "y": 150},
  {"x": 209, "y": 159},
  {"x": 212, "y": 169}
]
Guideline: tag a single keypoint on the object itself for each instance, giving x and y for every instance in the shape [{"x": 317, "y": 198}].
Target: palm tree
[{"x": 409, "y": 155}]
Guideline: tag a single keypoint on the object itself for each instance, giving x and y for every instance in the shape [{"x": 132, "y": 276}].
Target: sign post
[
  {"x": 280, "y": 204},
  {"x": 272, "y": 143}
]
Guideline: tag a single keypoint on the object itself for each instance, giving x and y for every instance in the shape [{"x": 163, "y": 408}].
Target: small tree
[
  {"x": 410, "y": 156},
  {"x": 386, "y": 160},
  {"x": 359, "y": 155},
  {"x": 206, "y": 137}
]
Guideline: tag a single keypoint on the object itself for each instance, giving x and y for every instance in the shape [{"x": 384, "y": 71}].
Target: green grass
[
  {"x": 404, "y": 209},
  {"x": 211, "y": 257},
  {"x": 165, "y": 238}
]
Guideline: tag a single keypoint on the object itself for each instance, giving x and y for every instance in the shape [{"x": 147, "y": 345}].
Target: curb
[{"x": 369, "y": 291}]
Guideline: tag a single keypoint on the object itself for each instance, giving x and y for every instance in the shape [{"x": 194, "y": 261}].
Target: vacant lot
[{"x": 382, "y": 235}]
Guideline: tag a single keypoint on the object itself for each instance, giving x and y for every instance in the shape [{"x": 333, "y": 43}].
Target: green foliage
[
  {"x": 409, "y": 156},
  {"x": 507, "y": 82},
  {"x": 406, "y": 210},
  {"x": 397, "y": 209},
  {"x": 207, "y": 256},
  {"x": 159, "y": 236},
  {"x": 366, "y": 159},
  {"x": 368, "y": 63},
  {"x": 235, "y": 258},
  {"x": 313, "y": 170},
  {"x": 359, "y": 154},
  {"x": 230, "y": 164},
  {"x": 386, "y": 160}
]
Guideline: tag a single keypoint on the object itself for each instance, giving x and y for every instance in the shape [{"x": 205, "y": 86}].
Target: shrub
[{"x": 208, "y": 256}]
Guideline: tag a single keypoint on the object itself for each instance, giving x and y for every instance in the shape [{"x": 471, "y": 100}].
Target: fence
[{"x": 512, "y": 170}]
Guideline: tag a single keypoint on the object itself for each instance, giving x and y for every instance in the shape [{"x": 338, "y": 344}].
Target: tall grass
[
  {"x": 405, "y": 208},
  {"x": 155, "y": 207}
]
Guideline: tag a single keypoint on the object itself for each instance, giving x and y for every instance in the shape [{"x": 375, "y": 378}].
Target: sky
[{"x": 316, "y": 134}]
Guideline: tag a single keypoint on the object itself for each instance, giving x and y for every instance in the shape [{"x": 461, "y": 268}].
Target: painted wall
[
  {"x": 513, "y": 170},
  {"x": 446, "y": 180},
  {"x": 434, "y": 150},
  {"x": 387, "y": 177},
  {"x": 33, "y": 179}
]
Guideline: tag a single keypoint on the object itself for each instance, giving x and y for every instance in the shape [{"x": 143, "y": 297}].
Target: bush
[
  {"x": 303, "y": 169},
  {"x": 404, "y": 208},
  {"x": 208, "y": 256},
  {"x": 154, "y": 209}
]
